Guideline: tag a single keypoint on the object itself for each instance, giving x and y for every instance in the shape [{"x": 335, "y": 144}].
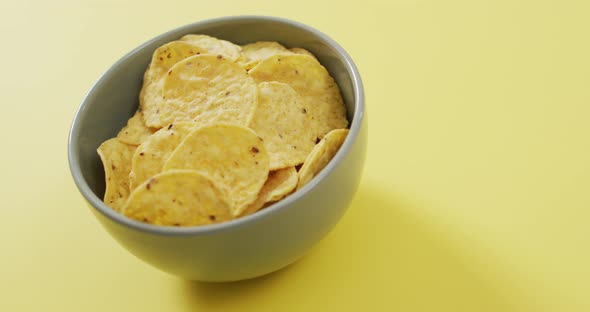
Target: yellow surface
[{"x": 476, "y": 196}]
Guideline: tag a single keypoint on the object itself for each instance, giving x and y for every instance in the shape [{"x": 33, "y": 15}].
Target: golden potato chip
[
  {"x": 215, "y": 46},
  {"x": 279, "y": 184},
  {"x": 222, "y": 131},
  {"x": 116, "y": 160},
  {"x": 208, "y": 89},
  {"x": 150, "y": 156},
  {"x": 162, "y": 60},
  {"x": 321, "y": 155},
  {"x": 312, "y": 81},
  {"x": 231, "y": 154},
  {"x": 178, "y": 198},
  {"x": 253, "y": 53},
  {"x": 282, "y": 183},
  {"x": 135, "y": 132},
  {"x": 285, "y": 123},
  {"x": 302, "y": 51}
]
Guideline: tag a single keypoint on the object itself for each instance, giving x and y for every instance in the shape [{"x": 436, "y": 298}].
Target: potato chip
[
  {"x": 208, "y": 89},
  {"x": 312, "y": 81},
  {"x": 302, "y": 51},
  {"x": 253, "y": 53},
  {"x": 178, "y": 198},
  {"x": 285, "y": 123},
  {"x": 162, "y": 60},
  {"x": 150, "y": 156},
  {"x": 116, "y": 160},
  {"x": 135, "y": 132},
  {"x": 279, "y": 184},
  {"x": 222, "y": 131},
  {"x": 215, "y": 46},
  {"x": 321, "y": 155},
  {"x": 232, "y": 154}
]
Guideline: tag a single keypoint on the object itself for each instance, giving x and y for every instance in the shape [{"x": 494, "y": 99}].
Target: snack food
[
  {"x": 162, "y": 60},
  {"x": 116, "y": 160},
  {"x": 207, "y": 89},
  {"x": 285, "y": 123},
  {"x": 149, "y": 158},
  {"x": 321, "y": 155},
  {"x": 135, "y": 132},
  {"x": 279, "y": 184},
  {"x": 255, "y": 52},
  {"x": 189, "y": 198},
  {"x": 312, "y": 81},
  {"x": 231, "y": 154},
  {"x": 220, "y": 131}
]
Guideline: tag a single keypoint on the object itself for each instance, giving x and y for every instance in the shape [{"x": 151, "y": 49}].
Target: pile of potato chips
[{"x": 222, "y": 131}]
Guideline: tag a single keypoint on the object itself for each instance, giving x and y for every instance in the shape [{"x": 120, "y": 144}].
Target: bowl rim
[{"x": 355, "y": 127}]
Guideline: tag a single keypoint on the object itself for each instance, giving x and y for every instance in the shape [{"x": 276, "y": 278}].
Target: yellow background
[{"x": 475, "y": 197}]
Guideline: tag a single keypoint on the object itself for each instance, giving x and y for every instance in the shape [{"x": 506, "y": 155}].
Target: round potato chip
[
  {"x": 302, "y": 51},
  {"x": 231, "y": 154},
  {"x": 253, "y": 53},
  {"x": 178, "y": 198},
  {"x": 285, "y": 123},
  {"x": 321, "y": 155},
  {"x": 135, "y": 132},
  {"x": 279, "y": 184},
  {"x": 150, "y": 156},
  {"x": 162, "y": 60},
  {"x": 207, "y": 89},
  {"x": 215, "y": 46},
  {"x": 116, "y": 160},
  {"x": 312, "y": 81}
]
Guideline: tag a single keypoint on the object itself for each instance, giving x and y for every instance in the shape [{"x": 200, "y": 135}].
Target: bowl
[{"x": 243, "y": 248}]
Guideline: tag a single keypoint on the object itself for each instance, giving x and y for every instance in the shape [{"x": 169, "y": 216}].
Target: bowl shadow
[{"x": 383, "y": 254}]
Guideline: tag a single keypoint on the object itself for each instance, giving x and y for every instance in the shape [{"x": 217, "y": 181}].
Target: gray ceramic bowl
[{"x": 244, "y": 248}]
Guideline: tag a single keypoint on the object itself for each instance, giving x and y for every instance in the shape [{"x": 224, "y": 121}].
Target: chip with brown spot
[
  {"x": 313, "y": 82},
  {"x": 116, "y": 159},
  {"x": 198, "y": 90},
  {"x": 279, "y": 184},
  {"x": 222, "y": 131},
  {"x": 215, "y": 149},
  {"x": 161, "y": 201},
  {"x": 255, "y": 52},
  {"x": 214, "y": 46},
  {"x": 162, "y": 60},
  {"x": 150, "y": 156},
  {"x": 321, "y": 155},
  {"x": 289, "y": 135}
]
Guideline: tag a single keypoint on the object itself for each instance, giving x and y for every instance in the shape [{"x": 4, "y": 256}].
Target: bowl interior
[{"x": 114, "y": 98}]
